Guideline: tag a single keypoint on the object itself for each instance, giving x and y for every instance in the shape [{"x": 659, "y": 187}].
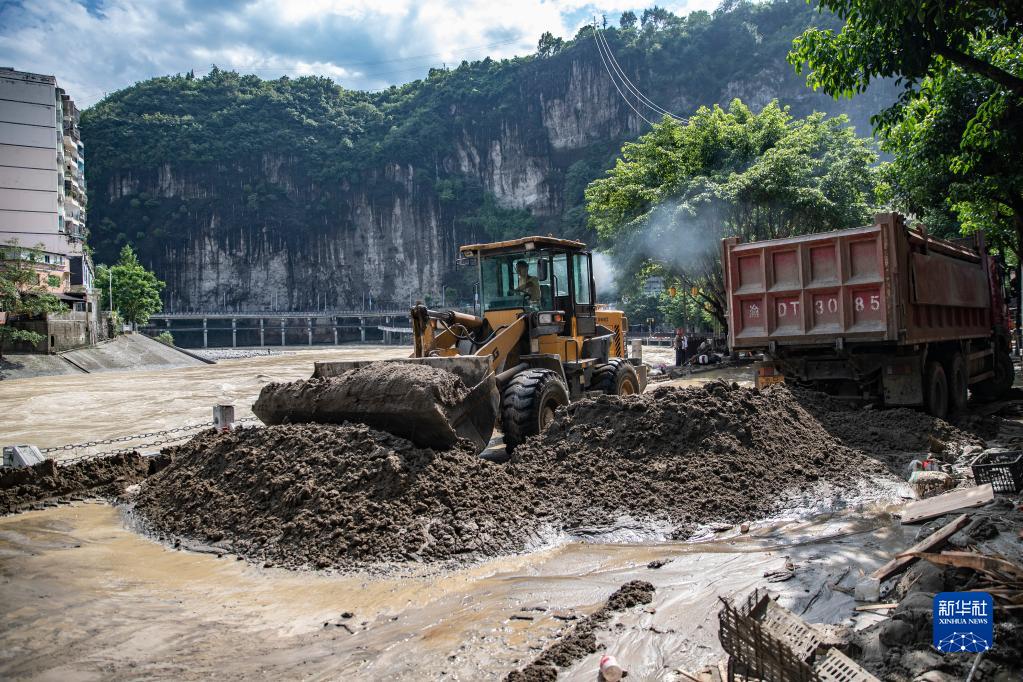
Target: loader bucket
[{"x": 395, "y": 401}]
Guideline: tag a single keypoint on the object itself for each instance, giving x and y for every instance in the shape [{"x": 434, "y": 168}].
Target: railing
[{"x": 282, "y": 313}]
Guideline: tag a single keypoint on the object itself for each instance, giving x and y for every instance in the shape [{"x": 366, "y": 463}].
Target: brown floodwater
[
  {"x": 77, "y": 408},
  {"x": 85, "y": 597}
]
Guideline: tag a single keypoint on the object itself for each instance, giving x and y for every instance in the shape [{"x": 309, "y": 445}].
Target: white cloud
[{"x": 105, "y": 45}]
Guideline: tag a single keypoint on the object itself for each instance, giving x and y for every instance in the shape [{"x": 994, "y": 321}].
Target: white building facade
[{"x": 43, "y": 199}]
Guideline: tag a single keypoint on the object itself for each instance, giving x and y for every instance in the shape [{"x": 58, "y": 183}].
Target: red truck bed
[{"x": 882, "y": 283}]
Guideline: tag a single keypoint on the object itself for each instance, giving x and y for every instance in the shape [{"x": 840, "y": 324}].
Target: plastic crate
[{"x": 1003, "y": 470}]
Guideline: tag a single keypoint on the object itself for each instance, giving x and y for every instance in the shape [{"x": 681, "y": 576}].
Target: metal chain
[
  {"x": 183, "y": 430},
  {"x": 137, "y": 436}
]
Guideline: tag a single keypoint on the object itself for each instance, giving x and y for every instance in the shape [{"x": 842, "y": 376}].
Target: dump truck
[
  {"x": 884, "y": 313},
  {"x": 536, "y": 341}
]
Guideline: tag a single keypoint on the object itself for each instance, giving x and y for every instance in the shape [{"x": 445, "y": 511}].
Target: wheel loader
[{"x": 539, "y": 341}]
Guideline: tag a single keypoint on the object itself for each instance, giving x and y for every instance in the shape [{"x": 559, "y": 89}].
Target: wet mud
[
  {"x": 47, "y": 482},
  {"x": 581, "y": 640},
  {"x": 340, "y": 496}
]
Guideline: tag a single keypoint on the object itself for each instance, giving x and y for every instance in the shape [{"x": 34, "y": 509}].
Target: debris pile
[
  {"x": 900, "y": 647},
  {"x": 581, "y": 640},
  {"x": 334, "y": 496},
  {"x": 30, "y": 487}
]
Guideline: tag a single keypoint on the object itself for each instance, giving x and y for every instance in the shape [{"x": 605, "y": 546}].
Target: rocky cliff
[{"x": 335, "y": 199}]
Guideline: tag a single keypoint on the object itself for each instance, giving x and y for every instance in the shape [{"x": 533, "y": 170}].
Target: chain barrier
[{"x": 185, "y": 431}]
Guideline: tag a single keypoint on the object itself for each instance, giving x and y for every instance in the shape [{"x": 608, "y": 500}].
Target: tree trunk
[{"x": 971, "y": 63}]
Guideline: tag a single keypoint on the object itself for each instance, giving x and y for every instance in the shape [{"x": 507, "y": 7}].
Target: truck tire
[
  {"x": 958, "y": 384},
  {"x": 528, "y": 403},
  {"x": 997, "y": 386},
  {"x": 615, "y": 377},
  {"x": 935, "y": 389}
]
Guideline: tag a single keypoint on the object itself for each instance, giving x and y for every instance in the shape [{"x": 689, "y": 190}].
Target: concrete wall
[{"x": 61, "y": 332}]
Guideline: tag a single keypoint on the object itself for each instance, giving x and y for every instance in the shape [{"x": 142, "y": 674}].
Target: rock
[{"x": 922, "y": 576}]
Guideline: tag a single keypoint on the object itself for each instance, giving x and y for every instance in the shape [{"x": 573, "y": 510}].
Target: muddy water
[
  {"x": 86, "y": 598},
  {"x": 52, "y": 411},
  {"x": 83, "y": 597}
]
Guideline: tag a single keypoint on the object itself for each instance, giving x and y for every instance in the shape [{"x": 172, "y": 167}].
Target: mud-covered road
[{"x": 87, "y": 598}]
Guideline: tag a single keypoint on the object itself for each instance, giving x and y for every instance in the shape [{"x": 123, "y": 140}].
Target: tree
[
  {"x": 956, "y": 170},
  {"x": 627, "y": 20},
  {"x": 21, "y": 295},
  {"x": 136, "y": 291},
  {"x": 679, "y": 189},
  {"x": 907, "y": 39},
  {"x": 549, "y": 45},
  {"x": 955, "y": 129}
]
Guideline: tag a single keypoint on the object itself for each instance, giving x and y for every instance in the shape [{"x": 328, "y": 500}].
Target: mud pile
[
  {"x": 581, "y": 640},
  {"x": 879, "y": 432},
  {"x": 333, "y": 496},
  {"x": 103, "y": 476},
  {"x": 688, "y": 455},
  {"x": 339, "y": 495}
]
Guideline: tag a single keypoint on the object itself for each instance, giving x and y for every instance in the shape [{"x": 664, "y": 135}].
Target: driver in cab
[{"x": 528, "y": 285}]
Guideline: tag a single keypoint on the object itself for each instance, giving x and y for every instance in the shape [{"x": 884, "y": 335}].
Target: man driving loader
[{"x": 528, "y": 285}]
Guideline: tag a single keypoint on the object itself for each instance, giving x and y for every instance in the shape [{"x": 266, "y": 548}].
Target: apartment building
[
  {"x": 43, "y": 197},
  {"x": 42, "y": 182}
]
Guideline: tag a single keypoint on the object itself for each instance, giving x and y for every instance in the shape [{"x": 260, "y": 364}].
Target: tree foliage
[
  {"x": 678, "y": 190},
  {"x": 21, "y": 295},
  {"x": 136, "y": 291},
  {"x": 956, "y": 169},
  {"x": 955, "y": 131}
]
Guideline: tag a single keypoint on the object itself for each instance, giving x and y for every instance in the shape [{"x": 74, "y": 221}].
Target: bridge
[{"x": 218, "y": 329}]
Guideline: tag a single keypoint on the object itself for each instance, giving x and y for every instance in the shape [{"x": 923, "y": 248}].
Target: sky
[{"x": 95, "y": 47}]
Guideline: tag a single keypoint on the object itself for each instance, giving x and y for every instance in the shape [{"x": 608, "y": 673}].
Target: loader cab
[{"x": 536, "y": 274}]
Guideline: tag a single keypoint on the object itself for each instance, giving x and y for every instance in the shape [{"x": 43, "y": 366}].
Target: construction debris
[
  {"x": 932, "y": 541},
  {"x": 964, "y": 498}
]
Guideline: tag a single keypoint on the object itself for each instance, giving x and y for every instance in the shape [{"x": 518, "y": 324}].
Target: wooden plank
[
  {"x": 949, "y": 502},
  {"x": 932, "y": 541},
  {"x": 876, "y": 607}
]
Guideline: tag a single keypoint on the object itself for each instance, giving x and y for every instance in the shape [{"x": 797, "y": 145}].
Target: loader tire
[
  {"x": 616, "y": 377},
  {"x": 528, "y": 403}
]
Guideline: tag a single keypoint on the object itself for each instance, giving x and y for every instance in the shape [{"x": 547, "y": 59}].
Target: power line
[
  {"x": 614, "y": 81},
  {"x": 607, "y": 57},
  {"x": 629, "y": 85}
]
